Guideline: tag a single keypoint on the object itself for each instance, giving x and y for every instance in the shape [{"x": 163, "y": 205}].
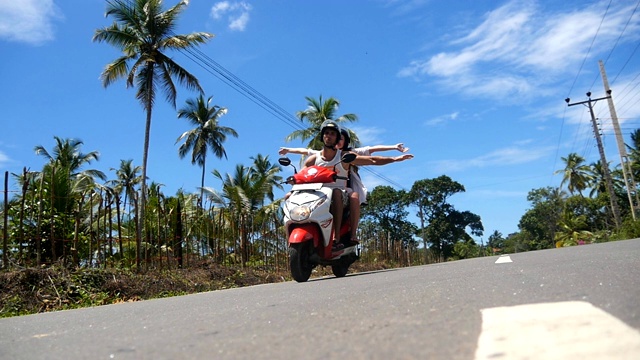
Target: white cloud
[
  {"x": 219, "y": 9},
  {"x": 367, "y": 135},
  {"x": 518, "y": 48},
  {"x": 442, "y": 118},
  {"x": 240, "y": 22},
  {"x": 29, "y": 21},
  {"x": 512, "y": 155},
  {"x": 403, "y": 7},
  {"x": 236, "y": 13}
]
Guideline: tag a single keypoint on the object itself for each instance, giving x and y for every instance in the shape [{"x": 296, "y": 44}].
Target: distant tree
[
  {"x": 66, "y": 184},
  {"x": 573, "y": 231},
  {"x": 466, "y": 249},
  {"x": 541, "y": 221},
  {"x": 576, "y": 174},
  {"x": 496, "y": 241},
  {"x": 207, "y": 135},
  {"x": 386, "y": 207},
  {"x": 634, "y": 154},
  {"x": 315, "y": 114},
  {"x": 243, "y": 194},
  {"x": 265, "y": 174},
  {"x": 127, "y": 178},
  {"x": 66, "y": 155},
  {"x": 441, "y": 224}
]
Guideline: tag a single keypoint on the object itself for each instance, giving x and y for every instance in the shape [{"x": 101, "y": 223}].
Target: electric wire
[
  {"x": 589, "y": 50},
  {"x": 242, "y": 87},
  {"x": 261, "y": 100},
  {"x": 615, "y": 44}
]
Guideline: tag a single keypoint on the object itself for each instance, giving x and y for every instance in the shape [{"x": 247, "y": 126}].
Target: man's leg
[{"x": 354, "y": 215}]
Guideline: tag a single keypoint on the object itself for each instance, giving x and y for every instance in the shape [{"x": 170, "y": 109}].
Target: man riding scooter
[{"x": 330, "y": 157}]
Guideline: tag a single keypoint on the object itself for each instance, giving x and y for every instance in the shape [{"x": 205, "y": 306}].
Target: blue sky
[{"x": 476, "y": 89}]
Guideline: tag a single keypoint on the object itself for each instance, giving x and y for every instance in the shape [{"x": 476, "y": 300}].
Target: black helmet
[
  {"x": 329, "y": 124},
  {"x": 347, "y": 139}
]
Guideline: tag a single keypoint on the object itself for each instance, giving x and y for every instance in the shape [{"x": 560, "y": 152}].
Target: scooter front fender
[{"x": 303, "y": 233}]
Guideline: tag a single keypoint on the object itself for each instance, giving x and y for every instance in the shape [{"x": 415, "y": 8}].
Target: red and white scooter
[{"x": 309, "y": 223}]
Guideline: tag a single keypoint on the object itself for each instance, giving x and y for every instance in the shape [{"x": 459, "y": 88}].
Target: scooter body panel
[{"x": 318, "y": 225}]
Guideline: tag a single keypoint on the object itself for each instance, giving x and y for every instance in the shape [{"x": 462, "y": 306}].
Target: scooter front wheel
[{"x": 299, "y": 263}]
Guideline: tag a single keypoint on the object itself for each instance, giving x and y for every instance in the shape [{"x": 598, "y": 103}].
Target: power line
[
  {"x": 252, "y": 94},
  {"x": 616, "y": 43},
  {"x": 382, "y": 177},
  {"x": 589, "y": 50},
  {"x": 242, "y": 87}
]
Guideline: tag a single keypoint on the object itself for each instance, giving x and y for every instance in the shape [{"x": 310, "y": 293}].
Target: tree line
[
  {"x": 580, "y": 211},
  {"x": 74, "y": 215},
  {"x": 67, "y": 213}
]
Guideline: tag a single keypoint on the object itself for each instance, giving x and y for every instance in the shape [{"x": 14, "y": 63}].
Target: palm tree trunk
[
  {"x": 201, "y": 209},
  {"x": 118, "y": 219},
  {"x": 5, "y": 247},
  {"x": 39, "y": 225},
  {"x": 52, "y": 229},
  {"x": 178, "y": 242},
  {"x": 424, "y": 238},
  {"x": 110, "y": 231},
  {"x": 25, "y": 187},
  {"x": 143, "y": 197},
  {"x": 76, "y": 260},
  {"x": 91, "y": 229},
  {"x": 98, "y": 237}
]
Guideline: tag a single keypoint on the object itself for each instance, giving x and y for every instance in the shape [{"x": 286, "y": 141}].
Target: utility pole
[
  {"x": 603, "y": 159},
  {"x": 627, "y": 171}
]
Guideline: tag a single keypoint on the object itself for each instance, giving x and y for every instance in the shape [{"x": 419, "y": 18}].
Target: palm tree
[
  {"x": 236, "y": 190},
  {"x": 573, "y": 230},
  {"x": 634, "y": 154},
  {"x": 127, "y": 180},
  {"x": 599, "y": 182},
  {"x": 245, "y": 192},
  {"x": 206, "y": 135},
  {"x": 264, "y": 173},
  {"x": 66, "y": 183},
  {"x": 575, "y": 174},
  {"x": 66, "y": 154},
  {"x": 143, "y": 31},
  {"x": 316, "y": 113}
]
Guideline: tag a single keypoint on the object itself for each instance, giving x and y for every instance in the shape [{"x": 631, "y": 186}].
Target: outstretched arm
[
  {"x": 299, "y": 151},
  {"x": 399, "y": 146},
  {"x": 380, "y": 160}
]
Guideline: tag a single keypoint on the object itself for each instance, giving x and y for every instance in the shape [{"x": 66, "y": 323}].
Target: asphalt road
[{"x": 572, "y": 303}]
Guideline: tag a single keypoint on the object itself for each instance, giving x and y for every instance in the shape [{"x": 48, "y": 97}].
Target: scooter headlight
[{"x": 302, "y": 212}]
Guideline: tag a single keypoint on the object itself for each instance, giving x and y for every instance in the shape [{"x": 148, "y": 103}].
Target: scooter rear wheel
[
  {"x": 340, "y": 270},
  {"x": 299, "y": 261}
]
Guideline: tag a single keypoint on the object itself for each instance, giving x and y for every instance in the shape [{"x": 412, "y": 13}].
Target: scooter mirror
[
  {"x": 348, "y": 157},
  {"x": 284, "y": 161}
]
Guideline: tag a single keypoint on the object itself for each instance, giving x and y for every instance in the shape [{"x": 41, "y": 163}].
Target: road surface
[{"x": 581, "y": 303}]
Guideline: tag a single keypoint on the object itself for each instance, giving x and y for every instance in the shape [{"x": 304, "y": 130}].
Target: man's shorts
[{"x": 344, "y": 193}]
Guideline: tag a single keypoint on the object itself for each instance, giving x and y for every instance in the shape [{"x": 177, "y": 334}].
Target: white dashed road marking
[
  {"x": 503, "y": 259},
  {"x": 563, "y": 330}
]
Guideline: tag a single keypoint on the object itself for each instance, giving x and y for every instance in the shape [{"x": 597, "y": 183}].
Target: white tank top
[{"x": 339, "y": 169}]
